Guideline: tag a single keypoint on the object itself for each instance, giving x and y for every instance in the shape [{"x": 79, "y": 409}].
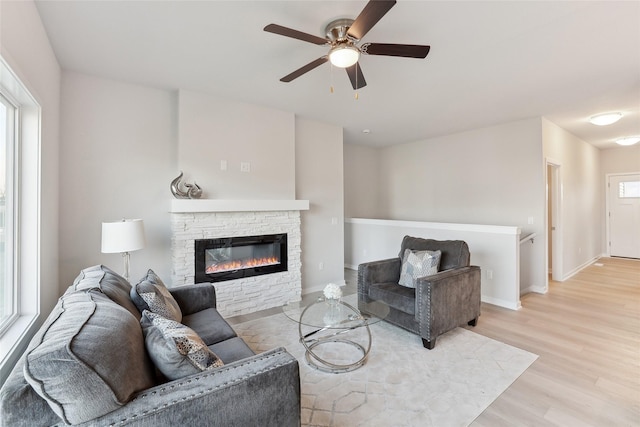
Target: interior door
[{"x": 624, "y": 215}]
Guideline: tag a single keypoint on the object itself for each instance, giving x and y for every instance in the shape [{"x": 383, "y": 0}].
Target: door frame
[
  {"x": 556, "y": 219},
  {"x": 607, "y": 213}
]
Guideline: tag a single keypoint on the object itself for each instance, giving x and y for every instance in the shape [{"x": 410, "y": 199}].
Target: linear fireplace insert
[{"x": 229, "y": 258}]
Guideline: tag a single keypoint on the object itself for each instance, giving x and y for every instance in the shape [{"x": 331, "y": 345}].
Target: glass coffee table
[{"x": 336, "y": 322}]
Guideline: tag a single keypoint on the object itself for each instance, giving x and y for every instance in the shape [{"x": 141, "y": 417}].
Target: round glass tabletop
[{"x": 330, "y": 314}]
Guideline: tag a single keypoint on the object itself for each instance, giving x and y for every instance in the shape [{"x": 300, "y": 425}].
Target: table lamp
[{"x": 123, "y": 236}]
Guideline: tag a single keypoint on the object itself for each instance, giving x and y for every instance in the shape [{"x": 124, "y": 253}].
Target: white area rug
[{"x": 402, "y": 383}]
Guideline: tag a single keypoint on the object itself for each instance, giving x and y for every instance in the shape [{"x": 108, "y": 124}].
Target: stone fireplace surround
[{"x": 210, "y": 219}]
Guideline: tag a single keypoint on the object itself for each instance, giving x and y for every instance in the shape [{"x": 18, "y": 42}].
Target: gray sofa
[
  {"x": 88, "y": 364},
  {"x": 436, "y": 304}
]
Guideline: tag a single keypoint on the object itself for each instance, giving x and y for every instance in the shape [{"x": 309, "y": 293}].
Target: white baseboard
[
  {"x": 351, "y": 267},
  {"x": 502, "y": 303},
  {"x": 579, "y": 268},
  {"x": 534, "y": 289}
]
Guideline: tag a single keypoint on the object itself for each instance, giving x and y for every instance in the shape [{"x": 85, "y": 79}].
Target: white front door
[{"x": 624, "y": 215}]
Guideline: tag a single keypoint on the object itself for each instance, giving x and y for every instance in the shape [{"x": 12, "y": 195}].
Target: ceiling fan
[{"x": 343, "y": 36}]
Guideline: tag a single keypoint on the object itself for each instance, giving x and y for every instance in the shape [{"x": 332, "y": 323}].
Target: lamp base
[{"x": 126, "y": 258}]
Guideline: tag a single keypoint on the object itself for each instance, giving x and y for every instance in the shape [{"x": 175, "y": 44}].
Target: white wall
[
  {"x": 361, "y": 181},
  {"x": 487, "y": 176},
  {"x": 117, "y": 160},
  {"x": 319, "y": 179},
  {"x": 213, "y": 129},
  {"x": 25, "y": 47},
  {"x": 582, "y": 196},
  {"x": 123, "y": 144},
  {"x": 490, "y": 176}
]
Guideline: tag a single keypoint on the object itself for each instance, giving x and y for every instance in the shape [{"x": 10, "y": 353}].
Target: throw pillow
[
  {"x": 416, "y": 264},
  {"x": 89, "y": 357},
  {"x": 151, "y": 294},
  {"x": 176, "y": 349}
]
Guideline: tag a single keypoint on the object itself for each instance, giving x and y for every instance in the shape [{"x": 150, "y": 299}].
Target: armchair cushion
[
  {"x": 455, "y": 253},
  {"x": 399, "y": 297},
  {"x": 416, "y": 264},
  {"x": 151, "y": 294},
  {"x": 176, "y": 350}
]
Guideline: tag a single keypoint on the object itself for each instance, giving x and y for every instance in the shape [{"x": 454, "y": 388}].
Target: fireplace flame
[{"x": 241, "y": 264}]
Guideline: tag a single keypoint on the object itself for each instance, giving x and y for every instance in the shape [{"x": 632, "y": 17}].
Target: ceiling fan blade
[
  {"x": 370, "y": 15},
  {"x": 302, "y": 70},
  {"x": 356, "y": 76},
  {"x": 404, "y": 50},
  {"x": 288, "y": 32}
]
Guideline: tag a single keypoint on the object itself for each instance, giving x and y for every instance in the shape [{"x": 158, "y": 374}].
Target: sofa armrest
[
  {"x": 261, "y": 390},
  {"x": 194, "y": 298},
  {"x": 438, "y": 293}
]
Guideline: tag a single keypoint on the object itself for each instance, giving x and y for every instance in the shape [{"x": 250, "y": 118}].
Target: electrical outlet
[
  {"x": 223, "y": 165},
  {"x": 530, "y": 220},
  {"x": 245, "y": 167},
  {"x": 490, "y": 274},
  {"x": 321, "y": 266}
]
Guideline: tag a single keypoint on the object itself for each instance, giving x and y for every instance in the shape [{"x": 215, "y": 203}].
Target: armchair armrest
[
  {"x": 386, "y": 270},
  {"x": 194, "y": 298},
  {"x": 436, "y": 295},
  {"x": 260, "y": 390}
]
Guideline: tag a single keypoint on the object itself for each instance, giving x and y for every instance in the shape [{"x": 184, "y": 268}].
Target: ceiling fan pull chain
[
  {"x": 356, "y": 91},
  {"x": 331, "y": 87}
]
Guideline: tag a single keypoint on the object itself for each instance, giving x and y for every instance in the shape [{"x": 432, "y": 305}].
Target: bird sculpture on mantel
[{"x": 192, "y": 191}]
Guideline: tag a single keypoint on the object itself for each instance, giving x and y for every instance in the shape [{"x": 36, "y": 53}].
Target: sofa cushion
[
  {"x": 151, "y": 294},
  {"x": 232, "y": 350},
  {"x": 176, "y": 349},
  {"x": 399, "y": 297},
  {"x": 20, "y": 405},
  {"x": 89, "y": 359},
  {"x": 416, "y": 264},
  {"x": 110, "y": 283},
  {"x": 209, "y": 325}
]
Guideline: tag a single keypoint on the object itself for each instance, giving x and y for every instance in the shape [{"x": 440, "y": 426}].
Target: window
[
  {"x": 8, "y": 141},
  {"x": 629, "y": 190},
  {"x": 20, "y": 133}
]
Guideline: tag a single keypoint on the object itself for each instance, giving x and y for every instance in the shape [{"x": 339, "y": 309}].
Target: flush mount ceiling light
[
  {"x": 344, "y": 55},
  {"x": 630, "y": 140},
  {"x": 605, "y": 119}
]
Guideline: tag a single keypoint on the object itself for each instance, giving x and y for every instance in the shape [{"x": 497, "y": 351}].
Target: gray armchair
[{"x": 439, "y": 302}]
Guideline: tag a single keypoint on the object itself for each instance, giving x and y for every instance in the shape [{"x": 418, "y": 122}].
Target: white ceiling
[{"x": 490, "y": 62}]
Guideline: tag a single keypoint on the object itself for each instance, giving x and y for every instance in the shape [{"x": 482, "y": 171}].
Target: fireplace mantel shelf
[{"x": 215, "y": 205}]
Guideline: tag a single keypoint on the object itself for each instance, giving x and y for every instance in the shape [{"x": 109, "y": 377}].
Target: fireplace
[{"x": 230, "y": 258}]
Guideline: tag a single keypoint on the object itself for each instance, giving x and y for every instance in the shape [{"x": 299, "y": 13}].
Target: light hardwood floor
[{"x": 586, "y": 331}]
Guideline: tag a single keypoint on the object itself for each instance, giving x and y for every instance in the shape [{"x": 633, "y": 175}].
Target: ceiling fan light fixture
[
  {"x": 605, "y": 119},
  {"x": 344, "y": 55},
  {"x": 630, "y": 140}
]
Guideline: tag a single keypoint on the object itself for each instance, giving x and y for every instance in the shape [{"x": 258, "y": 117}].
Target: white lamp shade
[{"x": 122, "y": 236}]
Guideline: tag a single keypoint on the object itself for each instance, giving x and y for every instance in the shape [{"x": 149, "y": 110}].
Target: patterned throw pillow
[
  {"x": 151, "y": 294},
  {"x": 176, "y": 350},
  {"x": 416, "y": 264}
]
